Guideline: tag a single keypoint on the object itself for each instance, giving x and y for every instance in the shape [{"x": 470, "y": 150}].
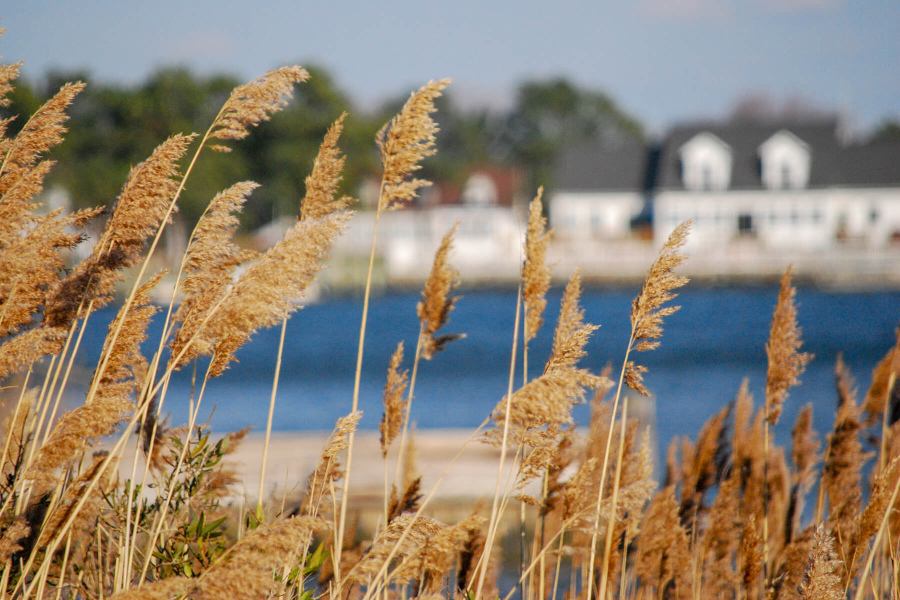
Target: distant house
[
  {"x": 791, "y": 186},
  {"x": 601, "y": 188}
]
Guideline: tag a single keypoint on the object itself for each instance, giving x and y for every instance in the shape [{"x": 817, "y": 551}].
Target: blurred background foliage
[{"x": 114, "y": 127}]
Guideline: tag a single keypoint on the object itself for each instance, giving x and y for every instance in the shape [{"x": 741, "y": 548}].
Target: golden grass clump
[
  {"x": 404, "y": 142},
  {"x": 728, "y": 522}
]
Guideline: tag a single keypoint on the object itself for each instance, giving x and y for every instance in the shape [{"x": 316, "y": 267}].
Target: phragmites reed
[
  {"x": 138, "y": 214},
  {"x": 209, "y": 264},
  {"x": 254, "y": 102},
  {"x": 83, "y": 524},
  {"x": 404, "y": 141},
  {"x": 414, "y": 531},
  {"x": 111, "y": 402},
  {"x": 268, "y": 290},
  {"x": 823, "y": 579},
  {"x": 647, "y": 310},
  {"x": 437, "y": 303},
  {"x": 889, "y": 366},
  {"x": 248, "y": 572},
  {"x": 322, "y": 183},
  {"x": 43, "y": 131},
  {"x": 535, "y": 273},
  {"x": 786, "y": 362},
  {"x": 328, "y": 469},
  {"x": 394, "y": 405}
]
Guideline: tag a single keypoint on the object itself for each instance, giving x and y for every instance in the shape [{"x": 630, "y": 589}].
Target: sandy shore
[{"x": 292, "y": 456}]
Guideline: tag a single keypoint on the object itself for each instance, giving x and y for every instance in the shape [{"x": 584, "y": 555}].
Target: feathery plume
[
  {"x": 408, "y": 503},
  {"x": 647, "y": 310},
  {"x": 823, "y": 580},
  {"x": 404, "y": 142},
  {"x": 268, "y": 290},
  {"x": 110, "y": 403},
  {"x": 254, "y": 102},
  {"x": 163, "y": 589},
  {"x": 786, "y": 362},
  {"x": 394, "y": 406},
  {"x": 421, "y": 529},
  {"x": 209, "y": 265},
  {"x": 328, "y": 468},
  {"x": 804, "y": 456},
  {"x": 437, "y": 303},
  {"x": 750, "y": 554},
  {"x": 24, "y": 349},
  {"x": 8, "y": 74},
  {"x": 875, "y": 401},
  {"x": 87, "y": 516},
  {"x": 10, "y": 544},
  {"x": 31, "y": 264},
  {"x": 535, "y": 273},
  {"x": 322, "y": 183},
  {"x": 43, "y": 131},
  {"x": 138, "y": 214},
  {"x": 572, "y": 333},
  {"x": 248, "y": 572},
  {"x": 663, "y": 556}
]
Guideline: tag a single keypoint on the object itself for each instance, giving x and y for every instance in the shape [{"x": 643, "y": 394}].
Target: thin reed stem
[
  {"x": 492, "y": 527},
  {"x": 610, "y": 527},
  {"x": 265, "y": 456}
]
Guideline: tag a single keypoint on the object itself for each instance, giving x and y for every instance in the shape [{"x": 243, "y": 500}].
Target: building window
[
  {"x": 745, "y": 223},
  {"x": 785, "y": 175},
  {"x": 706, "y": 177},
  {"x": 873, "y": 215}
]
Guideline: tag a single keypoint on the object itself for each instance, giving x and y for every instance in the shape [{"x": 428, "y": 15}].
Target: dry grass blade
[
  {"x": 437, "y": 303},
  {"x": 535, "y": 273},
  {"x": 322, "y": 183},
  {"x": 404, "y": 142},
  {"x": 254, "y": 102},
  {"x": 394, "y": 405},
  {"x": 786, "y": 362},
  {"x": 647, "y": 310}
]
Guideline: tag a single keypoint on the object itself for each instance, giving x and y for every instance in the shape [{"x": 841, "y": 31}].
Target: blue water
[{"x": 708, "y": 347}]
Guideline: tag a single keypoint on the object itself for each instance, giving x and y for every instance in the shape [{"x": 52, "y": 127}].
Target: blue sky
[{"x": 664, "y": 61}]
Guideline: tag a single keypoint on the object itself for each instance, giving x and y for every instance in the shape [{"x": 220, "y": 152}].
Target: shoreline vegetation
[{"x": 589, "y": 520}]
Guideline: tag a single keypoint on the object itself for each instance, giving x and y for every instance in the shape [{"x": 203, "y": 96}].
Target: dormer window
[
  {"x": 706, "y": 163},
  {"x": 784, "y": 161}
]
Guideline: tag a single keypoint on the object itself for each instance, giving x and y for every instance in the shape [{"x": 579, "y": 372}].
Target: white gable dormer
[
  {"x": 480, "y": 189},
  {"x": 706, "y": 163},
  {"x": 785, "y": 161}
]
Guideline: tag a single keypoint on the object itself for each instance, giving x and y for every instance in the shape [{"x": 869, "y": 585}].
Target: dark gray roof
[
  {"x": 745, "y": 140},
  {"x": 607, "y": 165},
  {"x": 875, "y": 164}
]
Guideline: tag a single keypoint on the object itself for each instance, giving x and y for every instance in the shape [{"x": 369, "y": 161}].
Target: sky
[{"x": 663, "y": 61}]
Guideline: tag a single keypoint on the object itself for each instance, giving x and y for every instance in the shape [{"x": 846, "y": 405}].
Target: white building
[
  {"x": 789, "y": 186},
  {"x": 600, "y": 191}
]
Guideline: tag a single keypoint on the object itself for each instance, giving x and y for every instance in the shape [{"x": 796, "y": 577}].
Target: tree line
[{"x": 114, "y": 127}]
